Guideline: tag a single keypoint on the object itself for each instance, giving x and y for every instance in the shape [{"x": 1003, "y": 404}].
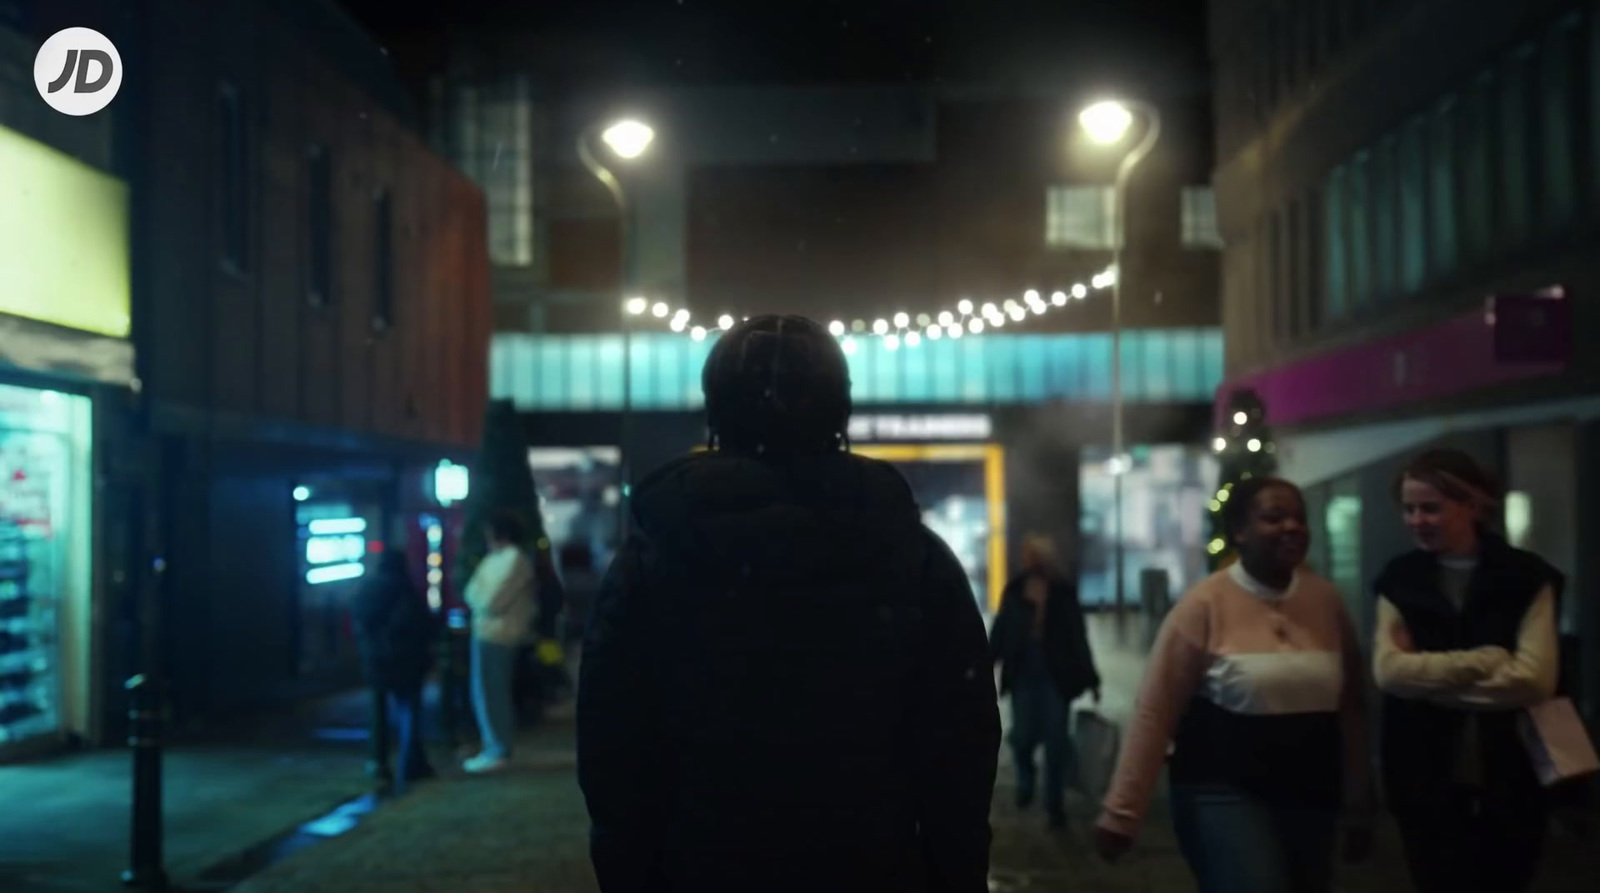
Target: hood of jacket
[{"x": 796, "y": 519}]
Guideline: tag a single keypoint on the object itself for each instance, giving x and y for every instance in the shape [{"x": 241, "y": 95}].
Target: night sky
[{"x": 703, "y": 41}]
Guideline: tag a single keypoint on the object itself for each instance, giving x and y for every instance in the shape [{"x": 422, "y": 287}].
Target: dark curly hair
[
  {"x": 1241, "y": 499},
  {"x": 777, "y": 384}
]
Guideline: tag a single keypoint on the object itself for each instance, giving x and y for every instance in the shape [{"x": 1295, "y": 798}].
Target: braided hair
[{"x": 777, "y": 384}]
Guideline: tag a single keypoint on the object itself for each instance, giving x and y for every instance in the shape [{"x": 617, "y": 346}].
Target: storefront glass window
[{"x": 45, "y": 517}]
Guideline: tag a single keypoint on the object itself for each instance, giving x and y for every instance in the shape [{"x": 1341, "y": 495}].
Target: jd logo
[{"x": 78, "y": 71}]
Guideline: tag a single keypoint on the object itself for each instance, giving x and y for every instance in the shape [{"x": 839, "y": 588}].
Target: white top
[{"x": 500, "y": 595}]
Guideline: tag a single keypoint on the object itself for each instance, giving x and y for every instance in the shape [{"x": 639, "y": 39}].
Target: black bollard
[{"x": 144, "y": 739}]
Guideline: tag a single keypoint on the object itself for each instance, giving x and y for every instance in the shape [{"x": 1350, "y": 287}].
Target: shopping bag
[
  {"x": 1557, "y": 742},
  {"x": 1097, "y": 741}
]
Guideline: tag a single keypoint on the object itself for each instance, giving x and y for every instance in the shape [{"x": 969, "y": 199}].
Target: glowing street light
[
  {"x": 1106, "y": 122},
  {"x": 629, "y": 138}
]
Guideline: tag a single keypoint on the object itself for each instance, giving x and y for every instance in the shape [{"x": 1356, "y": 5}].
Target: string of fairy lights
[{"x": 966, "y": 318}]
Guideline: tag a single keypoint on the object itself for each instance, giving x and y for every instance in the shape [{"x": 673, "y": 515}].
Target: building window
[
  {"x": 383, "y": 261},
  {"x": 1296, "y": 289},
  {"x": 1477, "y": 167},
  {"x": 233, "y": 167},
  {"x": 1561, "y": 91},
  {"x": 1200, "y": 229},
  {"x": 1385, "y": 201},
  {"x": 1516, "y": 130},
  {"x": 1081, "y": 217},
  {"x": 1414, "y": 205},
  {"x": 494, "y": 146},
  {"x": 1336, "y": 246},
  {"x": 1360, "y": 238},
  {"x": 1276, "y": 295},
  {"x": 319, "y": 226},
  {"x": 1442, "y": 189}
]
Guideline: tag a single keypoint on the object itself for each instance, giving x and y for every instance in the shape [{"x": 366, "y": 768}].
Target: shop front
[{"x": 46, "y": 563}]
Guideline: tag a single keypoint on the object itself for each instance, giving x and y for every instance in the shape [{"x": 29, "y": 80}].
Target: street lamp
[
  {"x": 1108, "y": 123},
  {"x": 627, "y": 139}
]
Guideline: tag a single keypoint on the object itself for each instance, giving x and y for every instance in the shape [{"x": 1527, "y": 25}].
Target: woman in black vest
[{"x": 1466, "y": 638}]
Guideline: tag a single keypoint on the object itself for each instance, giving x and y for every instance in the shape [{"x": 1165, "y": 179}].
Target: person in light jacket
[
  {"x": 1466, "y": 639},
  {"x": 501, "y": 596}
]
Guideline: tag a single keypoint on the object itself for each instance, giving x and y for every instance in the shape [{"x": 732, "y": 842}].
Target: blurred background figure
[
  {"x": 1042, "y": 646},
  {"x": 501, "y": 596},
  {"x": 396, "y": 633}
]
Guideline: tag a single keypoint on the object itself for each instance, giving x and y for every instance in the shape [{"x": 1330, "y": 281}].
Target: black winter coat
[
  {"x": 1066, "y": 638},
  {"x": 395, "y": 631},
  {"x": 785, "y": 687}
]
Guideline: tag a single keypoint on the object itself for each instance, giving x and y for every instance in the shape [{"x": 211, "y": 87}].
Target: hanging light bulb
[
  {"x": 849, "y": 347},
  {"x": 659, "y": 311},
  {"x": 1219, "y": 444},
  {"x": 946, "y": 318},
  {"x": 678, "y": 323},
  {"x": 965, "y": 306},
  {"x": 990, "y": 310},
  {"x": 975, "y": 326},
  {"x": 1018, "y": 314},
  {"x": 935, "y": 333},
  {"x": 901, "y": 320},
  {"x": 891, "y": 342},
  {"x": 836, "y": 328},
  {"x": 1059, "y": 299},
  {"x": 1253, "y": 445},
  {"x": 637, "y": 306},
  {"x": 998, "y": 320},
  {"x": 954, "y": 331},
  {"x": 859, "y": 325},
  {"x": 724, "y": 321},
  {"x": 698, "y": 333},
  {"x": 1011, "y": 306},
  {"x": 683, "y": 313},
  {"x": 923, "y": 320},
  {"x": 880, "y": 327},
  {"x": 1039, "y": 309},
  {"x": 1239, "y": 418},
  {"x": 913, "y": 339},
  {"x": 1080, "y": 291},
  {"x": 1031, "y": 295}
]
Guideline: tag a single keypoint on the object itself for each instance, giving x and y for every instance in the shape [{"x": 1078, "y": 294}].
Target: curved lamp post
[
  {"x": 628, "y": 140},
  {"x": 1108, "y": 123}
]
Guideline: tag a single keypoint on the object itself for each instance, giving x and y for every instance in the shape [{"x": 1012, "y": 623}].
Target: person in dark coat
[
  {"x": 1467, "y": 637},
  {"x": 395, "y": 631},
  {"x": 785, "y": 682},
  {"x": 1041, "y": 643}
]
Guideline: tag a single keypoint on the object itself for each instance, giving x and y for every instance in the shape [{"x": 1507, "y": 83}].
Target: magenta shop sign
[{"x": 1511, "y": 339}]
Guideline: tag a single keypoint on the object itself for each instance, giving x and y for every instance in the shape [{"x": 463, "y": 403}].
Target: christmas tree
[
  {"x": 1244, "y": 450},
  {"x": 501, "y": 481}
]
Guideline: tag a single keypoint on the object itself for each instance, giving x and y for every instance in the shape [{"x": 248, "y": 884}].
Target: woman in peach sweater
[{"x": 1256, "y": 677}]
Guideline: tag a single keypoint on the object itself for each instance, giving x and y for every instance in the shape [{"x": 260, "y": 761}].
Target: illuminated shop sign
[
  {"x": 450, "y": 483},
  {"x": 973, "y": 427},
  {"x": 335, "y": 548},
  {"x": 63, "y": 239}
]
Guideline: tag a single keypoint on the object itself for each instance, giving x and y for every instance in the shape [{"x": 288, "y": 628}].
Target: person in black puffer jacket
[{"x": 785, "y": 682}]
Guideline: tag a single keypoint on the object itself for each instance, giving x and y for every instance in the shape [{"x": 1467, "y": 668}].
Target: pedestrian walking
[
  {"x": 1041, "y": 643},
  {"x": 501, "y": 596},
  {"x": 396, "y": 632},
  {"x": 785, "y": 684},
  {"x": 1256, "y": 683},
  {"x": 1466, "y": 637}
]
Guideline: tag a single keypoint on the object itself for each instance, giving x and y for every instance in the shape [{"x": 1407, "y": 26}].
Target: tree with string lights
[{"x": 1244, "y": 450}]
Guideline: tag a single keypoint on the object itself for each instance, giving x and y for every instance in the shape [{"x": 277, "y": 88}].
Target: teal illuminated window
[{"x": 584, "y": 373}]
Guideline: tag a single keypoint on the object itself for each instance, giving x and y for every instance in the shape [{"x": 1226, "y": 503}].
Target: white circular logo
[{"x": 78, "y": 71}]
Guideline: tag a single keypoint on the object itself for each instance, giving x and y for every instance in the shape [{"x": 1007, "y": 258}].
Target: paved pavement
[
  {"x": 525, "y": 832},
  {"x": 64, "y": 822}
]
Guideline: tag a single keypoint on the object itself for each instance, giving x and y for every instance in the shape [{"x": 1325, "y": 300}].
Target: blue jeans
[
  {"x": 1041, "y": 716},
  {"x": 405, "y": 711},
  {"x": 1236, "y": 843},
  {"x": 493, "y": 699}
]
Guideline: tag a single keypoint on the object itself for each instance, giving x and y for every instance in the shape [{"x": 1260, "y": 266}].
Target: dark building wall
[
  {"x": 1307, "y": 93},
  {"x": 242, "y": 336}
]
